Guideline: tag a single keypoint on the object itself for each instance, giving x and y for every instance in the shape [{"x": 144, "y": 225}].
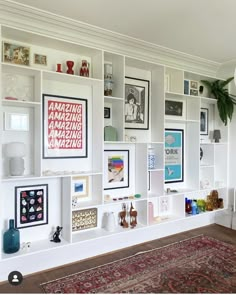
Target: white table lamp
[{"x": 16, "y": 151}]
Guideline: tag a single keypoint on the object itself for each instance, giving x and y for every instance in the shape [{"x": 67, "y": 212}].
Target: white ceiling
[{"x": 204, "y": 28}]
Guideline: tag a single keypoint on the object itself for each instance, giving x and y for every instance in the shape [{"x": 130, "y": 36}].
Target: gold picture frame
[{"x": 16, "y": 54}]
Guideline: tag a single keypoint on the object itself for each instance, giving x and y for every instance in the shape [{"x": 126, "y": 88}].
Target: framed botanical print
[
  {"x": 174, "y": 155},
  {"x": 31, "y": 205},
  {"x": 136, "y": 103},
  {"x": 116, "y": 169},
  {"x": 64, "y": 127}
]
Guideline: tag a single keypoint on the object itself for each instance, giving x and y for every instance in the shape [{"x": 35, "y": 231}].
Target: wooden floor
[{"x": 31, "y": 284}]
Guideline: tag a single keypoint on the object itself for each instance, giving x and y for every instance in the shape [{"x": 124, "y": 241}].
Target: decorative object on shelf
[
  {"x": 136, "y": 103},
  {"x": 220, "y": 203},
  {"x": 188, "y": 206},
  {"x": 204, "y": 184},
  {"x": 56, "y": 235},
  {"x": 194, "y": 207},
  {"x": 133, "y": 216},
  {"x": 70, "y": 65},
  {"x": 175, "y": 109},
  {"x": 107, "y": 113},
  {"x": 137, "y": 196},
  {"x": 167, "y": 82},
  {"x": 65, "y": 127},
  {"x": 225, "y": 101},
  {"x": 216, "y": 135},
  {"x": 16, "y": 121},
  {"x": 201, "y": 204},
  {"x": 174, "y": 155},
  {"x": 193, "y": 88},
  {"x": 116, "y": 169},
  {"x": 84, "y": 70},
  {"x": 122, "y": 214},
  {"x": 16, "y": 54},
  {"x": 204, "y": 121},
  {"x": 133, "y": 138},
  {"x": 186, "y": 87},
  {"x": 31, "y": 205},
  {"x": 151, "y": 158},
  {"x": 201, "y": 89},
  {"x": 150, "y": 212},
  {"x": 11, "y": 239},
  {"x": 109, "y": 221},
  {"x": 84, "y": 219},
  {"x": 201, "y": 153},
  {"x": 108, "y": 81},
  {"x": 59, "y": 70},
  {"x": 16, "y": 151},
  {"x": 110, "y": 133},
  {"x": 80, "y": 188},
  {"x": 164, "y": 205},
  {"x": 25, "y": 246},
  {"x": 40, "y": 59}
]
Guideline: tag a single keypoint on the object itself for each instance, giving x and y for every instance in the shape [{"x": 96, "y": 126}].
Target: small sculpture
[
  {"x": 133, "y": 216},
  {"x": 55, "y": 237},
  {"x": 123, "y": 222}
]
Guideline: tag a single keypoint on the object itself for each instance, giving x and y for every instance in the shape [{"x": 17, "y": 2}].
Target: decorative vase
[
  {"x": 151, "y": 158},
  {"x": 59, "y": 68},
  {"x": 70, "y": 65},
  {"x": 150, "y": 212},
  {"x": 110, "y": 223},
  {"x": 11, "y": 239},
  {"x": 84, "y": 70}
]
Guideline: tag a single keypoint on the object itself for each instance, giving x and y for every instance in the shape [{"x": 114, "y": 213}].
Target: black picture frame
[
  {"x": 31, "y": 205},
  {"x": 136, "y": 103},
  {"x": 174, "y": 155},
  {"x": 204, "y": 121},
  {"x": 65, "y": 127},
  {"x": 116, "y": 169},
  {"x": 107, "y": 113}
]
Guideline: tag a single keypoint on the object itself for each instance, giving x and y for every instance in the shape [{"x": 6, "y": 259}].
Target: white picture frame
[{"x": 16, "y": 122}]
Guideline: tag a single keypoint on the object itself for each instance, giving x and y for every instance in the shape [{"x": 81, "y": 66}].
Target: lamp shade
[
  {"x": 15, "y": 149},
  {"x": 216, "y": 135}
]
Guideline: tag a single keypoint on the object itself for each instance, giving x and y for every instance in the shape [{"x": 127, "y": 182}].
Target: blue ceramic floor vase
[{"x": 11, "y": 239}]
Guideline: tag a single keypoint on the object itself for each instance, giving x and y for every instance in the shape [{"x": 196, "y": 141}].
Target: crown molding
[{"x": 44, "y": 23}]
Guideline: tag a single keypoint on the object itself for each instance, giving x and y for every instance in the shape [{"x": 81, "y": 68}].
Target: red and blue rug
[{"x": 196, "y": 265}]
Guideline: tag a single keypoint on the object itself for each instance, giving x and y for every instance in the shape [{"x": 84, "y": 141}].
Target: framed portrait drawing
[
  {"x": 204, "y": 121},
  {"x": 174, "y": 155},
  {"x": 31, "y": 205},
  {"x": 136, "y": 103},
  {"x": 116, "y": 169},
  {"x": 175, "y": 109},
  {"x": 64, "y": 127}
]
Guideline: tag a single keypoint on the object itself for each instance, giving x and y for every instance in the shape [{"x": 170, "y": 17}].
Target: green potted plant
[{"x": 225, "y": 101}]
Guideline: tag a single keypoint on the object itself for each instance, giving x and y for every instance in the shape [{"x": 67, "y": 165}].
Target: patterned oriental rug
[{"x": 196, "y": 265}]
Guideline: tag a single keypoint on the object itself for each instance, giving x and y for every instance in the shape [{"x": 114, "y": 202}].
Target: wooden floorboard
[{"x": 31, "y": 283}]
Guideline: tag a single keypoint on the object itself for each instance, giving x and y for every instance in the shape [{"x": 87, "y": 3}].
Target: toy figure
[{"x": 55, "y": 237}]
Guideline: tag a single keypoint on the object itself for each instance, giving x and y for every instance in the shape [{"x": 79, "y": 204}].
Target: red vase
[
  {"x": 59, "y": 68},
  {"x": 70, "y": 65}
]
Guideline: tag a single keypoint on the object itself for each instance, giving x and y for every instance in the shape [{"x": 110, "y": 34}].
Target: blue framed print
[{"x": 174, "y": 155}]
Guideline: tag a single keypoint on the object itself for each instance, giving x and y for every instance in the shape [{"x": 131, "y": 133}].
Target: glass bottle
[{"x": 11, "y": 239}]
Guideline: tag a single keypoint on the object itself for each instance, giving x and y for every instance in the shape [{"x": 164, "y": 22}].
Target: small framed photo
[
  {"x": 204, "y": 121},
  {"x": 80, "y": 188},
  {"x": 194, "y": 92},
  {"x": 116, "y": 169},
  {"x": 31, "y": 205},
  {"x": 193, "y": 84},
  {"x": 16, "y": 54},
  {"x": 40, "y": 59},
  {"x": 175, "y": 109},
  {"x": 107, "y": 113}
]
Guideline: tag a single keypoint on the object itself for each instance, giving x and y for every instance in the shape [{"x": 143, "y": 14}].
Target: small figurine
[
  {"x": 123, "y": 222},
  {"x": 133, "y": 216},
  {"x": 55, "y": 237}
]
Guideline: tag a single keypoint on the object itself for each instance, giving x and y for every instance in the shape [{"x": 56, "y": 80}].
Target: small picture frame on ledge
[
  {"x": 107, "y": 113},
  {"x": 40, "y": 59},
  {"x": 16, "y": 54}
]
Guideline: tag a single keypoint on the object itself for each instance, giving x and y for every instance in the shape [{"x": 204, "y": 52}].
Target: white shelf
[
  {"x": 36, "y": 247},
  {"x": 156, "y": 169},
  {"x": 110, "y": 98},
  {"x": 20, "y": 103}
]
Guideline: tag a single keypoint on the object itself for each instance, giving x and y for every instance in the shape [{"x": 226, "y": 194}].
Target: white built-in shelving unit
[{"x": 29, "y": 83}]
